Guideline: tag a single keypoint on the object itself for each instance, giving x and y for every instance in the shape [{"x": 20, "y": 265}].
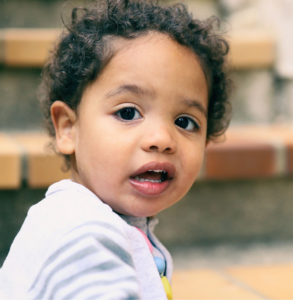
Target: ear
[{"x": 63, "y": 118}]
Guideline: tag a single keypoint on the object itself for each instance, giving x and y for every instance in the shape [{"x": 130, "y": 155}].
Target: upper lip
[{"x": 164, "y": 166}]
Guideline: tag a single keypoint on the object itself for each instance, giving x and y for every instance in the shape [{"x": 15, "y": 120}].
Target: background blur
[{"x": 242, "y": 203}]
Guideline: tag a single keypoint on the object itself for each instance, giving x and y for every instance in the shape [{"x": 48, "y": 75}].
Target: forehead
[
  {"x": 154, "y": 55},
  {"x": 155, "y": 63},
  {"x": 155, "y": 47}
]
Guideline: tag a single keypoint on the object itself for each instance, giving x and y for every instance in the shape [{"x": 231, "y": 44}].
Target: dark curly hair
[{"x": 84, "y": 49}]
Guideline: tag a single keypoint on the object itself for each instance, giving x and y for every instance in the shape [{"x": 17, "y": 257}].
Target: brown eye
[
  {"x": 187, "y": 124},
  {"x": 128, "y": 114}
]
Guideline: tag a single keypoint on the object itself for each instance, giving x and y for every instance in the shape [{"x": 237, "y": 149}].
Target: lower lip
[{"x": 150, "y": 188}]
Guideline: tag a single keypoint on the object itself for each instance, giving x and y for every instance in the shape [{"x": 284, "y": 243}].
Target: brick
[
  {"x": 28, "y": 47},
  {"x": 206, "y": 284},
  {"x": 290, "y": 158},
  {"x": 274, "y": 134},
  {"x": 240, "y": 160},
  {"x": 2, "y": 46},
  {"x": 44, "y": 167},
  {"x": 274, "y": 282},
  {"x": 251, "y": 152},
  {"x": 10, "y": 163}
]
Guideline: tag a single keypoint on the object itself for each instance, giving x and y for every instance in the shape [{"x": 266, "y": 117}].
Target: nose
[{"x": 160, "y": 139}]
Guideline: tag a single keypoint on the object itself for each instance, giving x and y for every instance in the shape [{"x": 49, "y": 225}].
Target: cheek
[
  {"x": 103, "y": 146},
  {"x": 192, "y": 161}
]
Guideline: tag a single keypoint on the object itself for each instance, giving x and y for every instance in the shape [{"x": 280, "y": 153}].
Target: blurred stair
[
  {"x": 29, "y": 48},
  {"x": 250, "y": 152},
  {"x": 245, "y": 282}
]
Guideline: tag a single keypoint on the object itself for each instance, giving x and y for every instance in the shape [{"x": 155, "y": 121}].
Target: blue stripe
[
  {"x": 110, "y": 265},
  {"x": 71, "y": 259},
  {"x": 64, "y": 248},
  {"x": 97, "y": 283}
]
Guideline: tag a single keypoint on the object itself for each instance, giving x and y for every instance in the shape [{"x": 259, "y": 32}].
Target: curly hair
[{"x": 84, "y": 49}]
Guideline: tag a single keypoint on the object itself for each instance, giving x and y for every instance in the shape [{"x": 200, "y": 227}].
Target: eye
[
  {"x": 187, "y": 124},
  {"x": 128, "y": 114}
]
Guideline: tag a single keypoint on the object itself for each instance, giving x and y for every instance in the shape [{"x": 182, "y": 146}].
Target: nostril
[{"x": 154, "y": 148}]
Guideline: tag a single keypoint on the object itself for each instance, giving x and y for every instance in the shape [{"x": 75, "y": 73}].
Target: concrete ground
[{"x": 248, "y": 271}]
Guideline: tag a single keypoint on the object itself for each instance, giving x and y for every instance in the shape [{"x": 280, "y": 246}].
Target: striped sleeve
[{"x": 92, "y": 261}]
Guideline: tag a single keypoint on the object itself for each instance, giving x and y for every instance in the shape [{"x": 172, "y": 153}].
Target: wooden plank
[
  {"x": 252, "y": 49},
  {"x": 44, "y": 167},
  {"x": 10, "y": 163},
  {"x": 29, "y": 48}
]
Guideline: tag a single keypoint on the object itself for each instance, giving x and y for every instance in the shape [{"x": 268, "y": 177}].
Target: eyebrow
[
  {"x": 130, "y": 88},
  {"x": 138, "y": 90},
  {"x": 196, "y": 104}
]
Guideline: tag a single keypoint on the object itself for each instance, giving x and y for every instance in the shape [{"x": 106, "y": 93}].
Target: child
[{"x": 132, "y": 94}]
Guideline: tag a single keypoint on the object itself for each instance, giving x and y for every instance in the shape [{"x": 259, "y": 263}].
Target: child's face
[{"x": 142, "y": 114}]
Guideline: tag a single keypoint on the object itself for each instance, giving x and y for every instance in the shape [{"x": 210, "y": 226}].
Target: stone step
[
  {"x": 248, "y": 152},
  {"x": 29, "y": 48},
  {"x": 30, "y": 161},
  {"x": 33, "y": 14}
]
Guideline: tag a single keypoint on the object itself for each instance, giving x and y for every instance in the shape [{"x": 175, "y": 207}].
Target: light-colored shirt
[{"x": 73, "y": 246}]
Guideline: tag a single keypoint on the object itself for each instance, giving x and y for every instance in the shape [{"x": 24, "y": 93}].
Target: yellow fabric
[{"x": 167, "y": 287}]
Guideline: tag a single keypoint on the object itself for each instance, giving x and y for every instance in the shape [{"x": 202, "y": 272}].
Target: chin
[
  {"x": 144, "y": 213},
  {"x": 138, "y": 214}
]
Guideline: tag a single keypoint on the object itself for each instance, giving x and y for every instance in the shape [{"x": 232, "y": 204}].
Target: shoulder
[
  {"x": 89, "y": 245},
  {"x": 70, "y": 227},
  {"x": 69, "y": 209},
  {"x": 67, "y": 205}
]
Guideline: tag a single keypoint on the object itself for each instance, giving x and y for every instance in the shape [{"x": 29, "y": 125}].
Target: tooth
[{"x": 147, "y": 180}]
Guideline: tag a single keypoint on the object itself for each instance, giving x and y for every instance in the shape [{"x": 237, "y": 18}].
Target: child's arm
[{"x": 91, "y": 262}]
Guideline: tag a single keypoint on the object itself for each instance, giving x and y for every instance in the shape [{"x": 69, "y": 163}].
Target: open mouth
[{"x": 155, "y": 176}]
